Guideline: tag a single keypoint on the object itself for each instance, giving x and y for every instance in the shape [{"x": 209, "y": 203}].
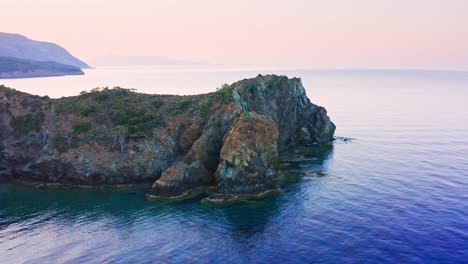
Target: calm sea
[{"x": 397, "y": 192}]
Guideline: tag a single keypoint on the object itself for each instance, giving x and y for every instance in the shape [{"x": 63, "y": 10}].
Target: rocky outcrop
[
  {"x": 248, "y": 156},
  {"x": 229, "y": 139},
  {"x": 268, "y": 114},
  {"x": 285, "y": 100}
]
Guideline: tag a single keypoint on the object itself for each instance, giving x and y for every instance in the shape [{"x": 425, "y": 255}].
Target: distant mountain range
[
  {"x": 14, "y": 45},
  {"x": 124, "y": 60},
  {"x": 21, "y": 57}
]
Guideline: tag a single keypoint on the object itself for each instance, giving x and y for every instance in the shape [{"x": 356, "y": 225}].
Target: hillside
[
  {"x": 20, "y": 68},
  {"x": 17, "y": 46}
]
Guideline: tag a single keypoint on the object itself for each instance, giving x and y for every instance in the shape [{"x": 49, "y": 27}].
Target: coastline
[{"x": 36, "y": 74}]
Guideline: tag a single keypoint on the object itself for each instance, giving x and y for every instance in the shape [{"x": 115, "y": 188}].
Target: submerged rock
[
  {"x": 228, "y": 199},
  {"x": 229, "y": 139}
]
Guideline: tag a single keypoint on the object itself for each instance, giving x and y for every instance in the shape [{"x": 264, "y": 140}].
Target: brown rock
[
  {"x": 181, "y": 177},
  {"x": 249, "y": 155}
]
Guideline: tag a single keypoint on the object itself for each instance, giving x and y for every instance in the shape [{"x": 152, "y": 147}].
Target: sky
[{"x": 410, "y": 34}]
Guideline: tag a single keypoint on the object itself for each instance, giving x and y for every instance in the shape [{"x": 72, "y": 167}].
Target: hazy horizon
[{"x": 334, "y": 34}]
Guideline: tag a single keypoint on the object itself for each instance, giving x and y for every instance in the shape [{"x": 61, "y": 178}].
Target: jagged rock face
[
  {"x": 207, "y": 147},
  {"x": 204, "y": 153},
  {"x": 229, "y": 139},
  {"x": 249, "y": 155},
  {"x": 245, "y": 160},
  {"x": 285, "y": 100},
  {"x": 318, "y": 129}
]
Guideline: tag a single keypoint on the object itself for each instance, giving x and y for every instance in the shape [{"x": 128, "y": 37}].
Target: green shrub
[
  {"x": 204, "y": 107},
  {"x": 138, "y": 122},
  {"x": 27, "y": 123},
  {"x": 10, "y": 93},
  {"x": 224, "y": 93},
  {"x": 157, "y": 104},
  {"x": 181, "y": 106},
  {"x": 120, "y": 106},
  {"x": 74, "y": 105},
  {"x": 4, "y": 107},
  {"x": 89, "y": 110},
  {"x": 101, "y": 95},
  {"x": 35, "y": 105},
  {"x": 82, "y": 127},
  {"x": 93, "y": 135},
  {"x": 60, "y": 143},
  {"x": 100, "y": 119}
]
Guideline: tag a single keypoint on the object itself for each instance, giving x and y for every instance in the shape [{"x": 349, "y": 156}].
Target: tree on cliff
[
  {"x": 68, "y": 137},
  {"x": 119, "y": 136}
]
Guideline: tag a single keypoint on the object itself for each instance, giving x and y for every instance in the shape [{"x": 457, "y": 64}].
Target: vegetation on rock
[
  {"x": 22, "y": 125},
  {"x": 228, "y": 140}
]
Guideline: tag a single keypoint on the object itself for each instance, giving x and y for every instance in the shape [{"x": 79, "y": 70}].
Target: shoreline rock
[
  {"x": 55, "y": 185},
  {"x": 229, "y": 199},
  {"x": 36, "y": 74},
  {"x": 190, "y": 194}
]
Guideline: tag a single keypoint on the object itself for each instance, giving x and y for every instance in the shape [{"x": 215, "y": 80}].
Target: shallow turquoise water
[{"x": 396, "y": 193}]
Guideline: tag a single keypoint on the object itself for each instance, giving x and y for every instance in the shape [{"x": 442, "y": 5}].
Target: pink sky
[{"x": 323, "y": 34}]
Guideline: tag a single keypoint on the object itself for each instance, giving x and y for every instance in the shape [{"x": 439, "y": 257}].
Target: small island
[{"x": 227, "y": 141}]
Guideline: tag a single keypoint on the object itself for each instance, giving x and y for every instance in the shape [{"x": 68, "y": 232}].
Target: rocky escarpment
[{"x": 229, "y": 140}]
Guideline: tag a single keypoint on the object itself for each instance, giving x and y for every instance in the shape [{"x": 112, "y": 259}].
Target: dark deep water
[{"x": 396, "y": 193}]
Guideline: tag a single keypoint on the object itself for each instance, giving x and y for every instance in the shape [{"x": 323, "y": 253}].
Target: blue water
[{"x": 397, "y": 192}]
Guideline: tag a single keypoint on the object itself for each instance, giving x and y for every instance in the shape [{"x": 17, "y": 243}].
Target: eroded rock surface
[
  {"x": 248, "y": 155},
  {"x": 181, "y": 177},
  {"x": 229, "y": 139}
]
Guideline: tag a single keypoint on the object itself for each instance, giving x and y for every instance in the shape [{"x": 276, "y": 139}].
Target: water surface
[{"x": 396, "y": 193}]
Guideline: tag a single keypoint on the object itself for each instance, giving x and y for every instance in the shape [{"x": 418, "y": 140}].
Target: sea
[{"x": 393, "y": 187}]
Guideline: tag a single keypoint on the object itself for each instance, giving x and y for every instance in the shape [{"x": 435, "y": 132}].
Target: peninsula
[
  {"x": 228, "y": 140},
  {"x": 21, "y": 57},
  {"x": 20, "y": 68}
]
